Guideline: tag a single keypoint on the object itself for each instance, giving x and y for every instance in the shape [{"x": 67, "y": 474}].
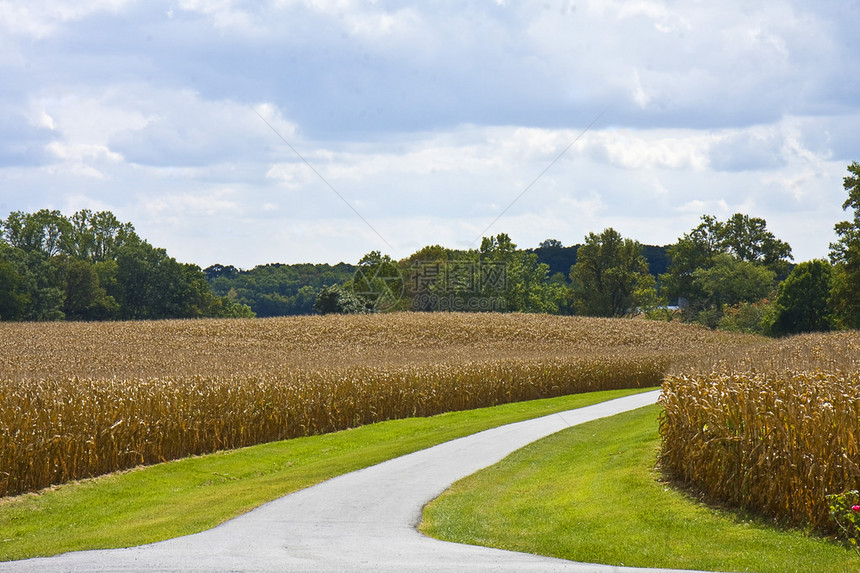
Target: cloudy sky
[{"x": 318, "y": 130}]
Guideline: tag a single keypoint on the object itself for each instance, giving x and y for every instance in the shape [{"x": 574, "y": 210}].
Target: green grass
[
  {"x": 194, "y": 494},
  {"x": 590, "y": 493}
]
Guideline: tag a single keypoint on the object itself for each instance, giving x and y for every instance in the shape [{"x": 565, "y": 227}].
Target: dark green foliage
[
  {"x": 845, "y": 256},
  {"x": 336, "y": 299},
  {"x": 379, "y": 283},
  {"x": 524, "y": 287},
  {"x": 657, "y": 257},
  {"x": 720, "y": 264},
  {"x": 85, "y": 298},
  {"x": 560, "y": 258},
  {"x": 277, "y": 289},
  {"x": 551, "y": 244},
  {"x": 93, "y": 267},
  {"x": 748, "y": 239},
  {"x": 611, "y": 276},
  {"x": 731, "y": 281},
  {"x": 13, "y": 292},
  {"x": 802, "y": 302},
  {"x": 29, "y": 288}
]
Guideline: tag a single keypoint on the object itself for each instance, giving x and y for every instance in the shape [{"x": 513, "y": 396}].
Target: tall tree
[
  {"x": 41, "y": 231},
  {"x": 97, "y": 237},
  {"x": 802, "y": 301},
  {"x": 85, "y": 299},
  {"x": 517, "y": 276},
  {"x": 14, "y": 294},
  {"x": 31, "y": 285},
  {"x": 695, "y": 250},
  {"x": 845, "y": 256},
  {"x": 730, "y": 281},
  {"x": 748, "y": 239},
  {"x": 610, "y": 276},
  {"x": 693, "y": 258},
  {"x": 379, "y": 282}
]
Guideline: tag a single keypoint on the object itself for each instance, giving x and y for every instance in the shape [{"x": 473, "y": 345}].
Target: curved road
[{"x": 361, "y": 521}]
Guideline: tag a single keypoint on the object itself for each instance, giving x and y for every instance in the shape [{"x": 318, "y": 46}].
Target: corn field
[
  {"x": 773, "y": 429},
  {"x": 83, "y": 399}
]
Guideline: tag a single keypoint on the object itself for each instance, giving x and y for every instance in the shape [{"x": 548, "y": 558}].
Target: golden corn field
[
  {"x": 83, "y": 399},
  {"x": 773, "y": 429},
  {"x": 772, "y": 426}
]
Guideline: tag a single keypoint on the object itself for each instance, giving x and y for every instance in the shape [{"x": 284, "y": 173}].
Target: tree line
[
  {"x": 91, "y": 266},
  {"x": 277, "y": 289},
  {"x": 733, "y": 274}
]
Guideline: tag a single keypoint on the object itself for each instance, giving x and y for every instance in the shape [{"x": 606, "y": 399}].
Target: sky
[{"x": 293, "y": 131}]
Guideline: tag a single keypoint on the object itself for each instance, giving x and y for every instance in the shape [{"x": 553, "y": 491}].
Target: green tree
[
  {"x": 379, "y": 282},
  {"x": 802, "y": 301},
  {"x": 276, "y": 289},
  {"x": 93, "y": 267},
  {"x": 748, "y": 239},
  {"x": 97, "y": 237},
  {"x": 728, "y": 282},
  {"x": 551, "y": 244},
  {"x": 336, "y": 299},
  {"x": 42, "y": 231},
  {"x": 731, "y": 280},
  {"x": 845, "y": 256},
  {"x": 695, "y": 250},
  {"x": 31, "y": 284},
  {"x": 743, "y": 238},
  {"x": 427, "y": 271},
  {"x": 152, "y": 285},
  {"x": 84, "y": 297},
  {"x": 748, "y": 317},
  {"x": 610, "y": 276},
  {"x": 516, "y": 275},
  {"x": 14, "y": 295}
]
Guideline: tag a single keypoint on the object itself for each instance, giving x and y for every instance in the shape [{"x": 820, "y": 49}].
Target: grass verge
[
  {"x": 601, "y": 502},
  {"x": 193, "y": 494}
]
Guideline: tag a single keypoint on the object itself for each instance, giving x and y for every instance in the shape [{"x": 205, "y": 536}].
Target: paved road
[{"x": 362, "y": 521}]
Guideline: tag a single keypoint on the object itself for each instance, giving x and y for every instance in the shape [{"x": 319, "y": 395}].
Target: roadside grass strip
[
  {"x": 591, "y": 494},
  {"x": 193, "y": 494}
]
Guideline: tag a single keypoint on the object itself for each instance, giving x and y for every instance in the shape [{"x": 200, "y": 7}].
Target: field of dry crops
[
  {"x": 83, "y": 399},
  {"x": 773, "y": 429}
]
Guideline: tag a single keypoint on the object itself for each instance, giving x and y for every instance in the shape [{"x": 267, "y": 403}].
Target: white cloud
[
  {"x": 587, "y": 208},
  {"x": 428, "y": 119},
  {"x": 189, "y": 205},
  {"x": 664, "y": 19},
  {"x": 88, "y": 118},
  {"x": 676, "y": 149},
  {"x": 82, "y": 152},
  {"x": 291, "y": 175},
  {"x": 40, "y": 18},
  {"x": 46, "y": 120}
]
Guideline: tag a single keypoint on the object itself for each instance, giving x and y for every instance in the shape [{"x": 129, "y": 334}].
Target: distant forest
[
  {"x": 732, "y": 274},
  {"x": 277, "y": 289},
  {"x": 560, "y": 259},
  {"x": 291, "y": 289}
]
